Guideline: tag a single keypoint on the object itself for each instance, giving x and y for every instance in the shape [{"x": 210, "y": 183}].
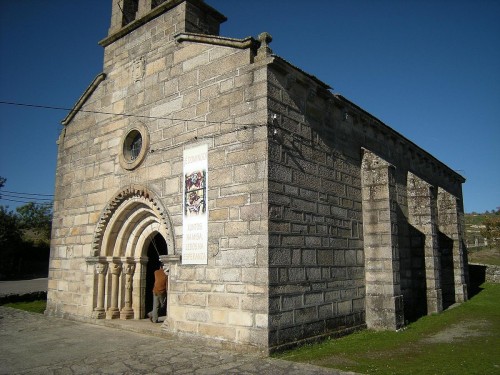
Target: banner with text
[{"x": 195, "y": 199}]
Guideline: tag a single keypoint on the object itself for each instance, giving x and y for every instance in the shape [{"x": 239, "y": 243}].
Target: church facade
[{"x": 282, "y": 212}]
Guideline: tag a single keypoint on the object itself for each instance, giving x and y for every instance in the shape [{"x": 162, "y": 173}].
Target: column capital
[
  {"x": 101, "y": 268},
  {"x": 129, "y": 268},
  {"x": 115, "y": 268}
]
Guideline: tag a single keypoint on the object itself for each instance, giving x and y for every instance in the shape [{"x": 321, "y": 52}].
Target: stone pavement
[{"x": 36, "y": 344}]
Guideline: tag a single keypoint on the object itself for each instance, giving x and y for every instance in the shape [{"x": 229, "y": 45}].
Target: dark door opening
[{"x": 157, "y": 247}]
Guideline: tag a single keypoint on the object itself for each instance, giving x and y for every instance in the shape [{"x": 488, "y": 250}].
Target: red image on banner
[{"x": 195, "y": 193}]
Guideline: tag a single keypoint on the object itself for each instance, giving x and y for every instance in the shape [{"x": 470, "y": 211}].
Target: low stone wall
[
  {"x": 484, "y": 272},
  {"x": 492, "y": 273}
]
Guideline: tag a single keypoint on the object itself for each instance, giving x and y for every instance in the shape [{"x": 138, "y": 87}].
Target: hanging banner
[{"x": 195, "y": 200}]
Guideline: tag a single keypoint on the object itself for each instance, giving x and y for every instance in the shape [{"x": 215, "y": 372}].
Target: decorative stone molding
[
  {"x": 86, "y": 95},
  {"x": 130, "y": 192},
  {"x": 217, "y": 40},
  {"x": 170, "y": 259}
]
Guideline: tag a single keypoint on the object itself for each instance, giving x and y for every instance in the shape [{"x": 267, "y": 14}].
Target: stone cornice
[
  {"x": 248, "y": 42},
  {"x": 81, "y": 101},
  {"x": 280, "y": 62},
  {"x": 417, "y": 149}
]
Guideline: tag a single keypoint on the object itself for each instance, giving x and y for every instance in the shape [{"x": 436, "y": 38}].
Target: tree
[
  {"x": 10, "y": 234},
  {"x": 11, "y": 242},
  {"x": 24, "y": 240},
  {"x": 491, "y": 230},
  {"x": 37, "y": 218}
]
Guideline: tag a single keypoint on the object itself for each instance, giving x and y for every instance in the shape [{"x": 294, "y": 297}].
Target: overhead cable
[
  {"x": 22, "y": 201},
  {"x": 127, "y": 114},
  {"x": 3, "y": 194},
  {"x": 32, "y": 194}
]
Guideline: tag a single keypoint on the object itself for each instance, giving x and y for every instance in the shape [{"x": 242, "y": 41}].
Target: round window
[{"x": 134, "y": 143}]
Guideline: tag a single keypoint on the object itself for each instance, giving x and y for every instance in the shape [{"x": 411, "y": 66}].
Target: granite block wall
[{"x": 322, "y": 219}]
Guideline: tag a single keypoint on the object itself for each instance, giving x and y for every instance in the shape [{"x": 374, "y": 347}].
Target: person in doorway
[{"x": 159, "y": 294}]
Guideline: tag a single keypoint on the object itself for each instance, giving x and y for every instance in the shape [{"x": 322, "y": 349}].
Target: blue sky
[{"x": 429, "y": 69}]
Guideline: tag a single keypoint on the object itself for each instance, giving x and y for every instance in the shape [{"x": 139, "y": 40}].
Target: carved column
[
  {"x": 139, "y": 287},
  {"x": 100, "y": 268},
  {"x": 127, "y": 311},
  {"x": 115, "y": 269}
]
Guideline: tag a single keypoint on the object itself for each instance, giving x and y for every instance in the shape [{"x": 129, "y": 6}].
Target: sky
[{"x": 429, "y": 69}]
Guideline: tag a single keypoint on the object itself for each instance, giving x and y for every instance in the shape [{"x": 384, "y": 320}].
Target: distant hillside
[{"x": 474, "y": 223}]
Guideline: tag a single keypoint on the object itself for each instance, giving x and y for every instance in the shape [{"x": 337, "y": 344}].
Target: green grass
[
  {"x": 34, "y": 306},
  {"x": 476, "y": 219},
  {"x": 484, "y": 255},
  {"x": 461, "y": 340}
]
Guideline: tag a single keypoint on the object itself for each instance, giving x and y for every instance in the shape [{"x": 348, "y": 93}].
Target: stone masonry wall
[
  {"x": 151, "y": 76},
  {"x": 323, "y": 257},
  {"x": 314, "y": 220},
  {"x": 315, "y": 247}
]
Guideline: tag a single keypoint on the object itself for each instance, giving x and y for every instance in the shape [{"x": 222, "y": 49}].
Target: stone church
[{"x": 281, "y": 212}]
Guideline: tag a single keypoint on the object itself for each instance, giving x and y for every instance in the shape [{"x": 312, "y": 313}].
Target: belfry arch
[{"x": 128, "y": 225}]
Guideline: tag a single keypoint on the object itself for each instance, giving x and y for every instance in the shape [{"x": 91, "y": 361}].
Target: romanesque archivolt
[{"x": 126, "y": 198}]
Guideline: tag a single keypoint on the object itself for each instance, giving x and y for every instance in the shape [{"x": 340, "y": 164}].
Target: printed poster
[{"x": 195, "y": 210}]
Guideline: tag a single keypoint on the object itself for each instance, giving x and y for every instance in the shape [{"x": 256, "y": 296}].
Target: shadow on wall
[
  {"x": 477, "y": 276},
  {"x": 414, "y": 265},
  {"x": 447, "y": 270}
]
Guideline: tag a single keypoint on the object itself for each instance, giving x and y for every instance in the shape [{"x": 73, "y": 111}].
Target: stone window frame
[{"x": 127, "y": 159}]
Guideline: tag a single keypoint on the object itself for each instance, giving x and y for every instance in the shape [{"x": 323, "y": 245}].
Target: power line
[
  {"x": 19, "y": 193},
  {"x": 2, "y": 194},
  {"x": 22, "y": 201},
  {"x": 126, "y": 114}
]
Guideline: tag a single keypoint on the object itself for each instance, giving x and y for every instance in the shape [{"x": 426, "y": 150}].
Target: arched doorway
[
  {"x": 157, "y": 247},
  {"x": 134, "y": 230}
]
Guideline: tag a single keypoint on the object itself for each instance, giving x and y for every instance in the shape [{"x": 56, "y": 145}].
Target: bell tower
[{"x": 193, "y": 16}]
